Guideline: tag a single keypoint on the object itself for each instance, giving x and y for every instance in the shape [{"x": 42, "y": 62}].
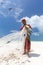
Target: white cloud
[
  {"x": 1, "y": 1},
  {"x": 2, "y": 13},
  {"x": 36, "y": 22},
  {"x": 35, "y": 33},
  {"x": 18, "y": 11},
  {"x": 15, "y": 11},
  {"x": 6, "y": 3}
]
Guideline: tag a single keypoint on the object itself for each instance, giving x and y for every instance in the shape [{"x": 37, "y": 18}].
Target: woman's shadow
[{"x": 34, "y": 55}]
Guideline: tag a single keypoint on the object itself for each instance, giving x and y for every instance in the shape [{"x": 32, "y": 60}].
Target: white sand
[{"x": 11, "y": 52}]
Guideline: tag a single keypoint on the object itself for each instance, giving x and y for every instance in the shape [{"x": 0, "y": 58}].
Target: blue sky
[
  {"x": 11, "y": 11},
  {"x": 33, "y": 7}
]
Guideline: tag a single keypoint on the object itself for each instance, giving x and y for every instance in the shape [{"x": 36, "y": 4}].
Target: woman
[{"x": 27, "y": 39}]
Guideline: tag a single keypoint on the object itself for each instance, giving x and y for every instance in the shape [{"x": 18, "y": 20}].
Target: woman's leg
[{"x": 27, "y": 46}]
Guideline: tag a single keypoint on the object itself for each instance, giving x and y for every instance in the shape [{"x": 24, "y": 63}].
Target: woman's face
[{"x": 24, "y": 22}]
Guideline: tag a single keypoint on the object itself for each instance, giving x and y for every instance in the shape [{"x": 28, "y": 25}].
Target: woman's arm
[{"x": 21, "y": 28}]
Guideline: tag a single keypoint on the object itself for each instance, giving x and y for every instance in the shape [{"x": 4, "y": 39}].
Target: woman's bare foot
[
  {"x": 28, "y": 54},
  {"x": 24, "y": 53}
]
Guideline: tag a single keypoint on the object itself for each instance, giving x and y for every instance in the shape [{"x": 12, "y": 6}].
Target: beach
[{"x": 11, "y": 52}]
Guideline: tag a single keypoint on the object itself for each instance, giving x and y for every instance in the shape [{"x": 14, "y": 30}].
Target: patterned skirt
[{"x": 27, "y": 45}]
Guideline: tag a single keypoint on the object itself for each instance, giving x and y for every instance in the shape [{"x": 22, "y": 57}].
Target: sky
[{"x": 12, "y": 11}]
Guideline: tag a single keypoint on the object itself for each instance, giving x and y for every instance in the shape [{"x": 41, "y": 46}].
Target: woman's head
[{"x": 23, "y": 21}]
